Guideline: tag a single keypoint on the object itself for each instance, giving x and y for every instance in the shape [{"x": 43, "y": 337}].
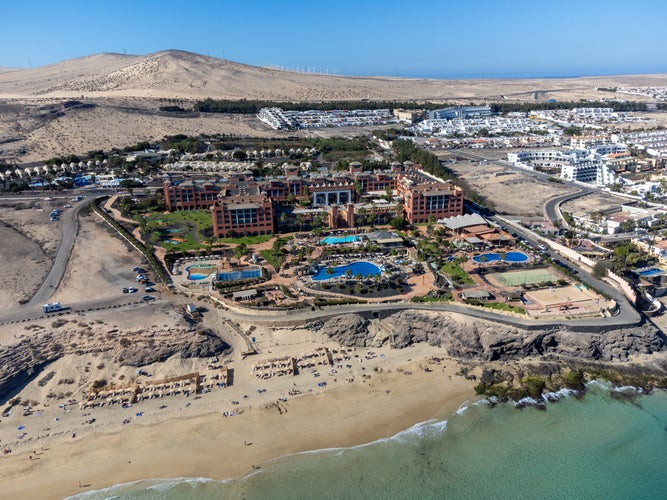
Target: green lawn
[
  {"x": 444, "y": 298},
  {"x": 457, "y": 273},
  {"x": 189, "y": 226},
  {"x": 501, "y": 306},
  {"x": 248, "y": 240},
  {"x": 201, "y": 218},
  {"x": 275, "y": 261},
  {"x": 184, "y": 228}
]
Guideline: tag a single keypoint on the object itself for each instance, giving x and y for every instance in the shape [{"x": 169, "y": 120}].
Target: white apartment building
[{"x": 579, "y": 165}]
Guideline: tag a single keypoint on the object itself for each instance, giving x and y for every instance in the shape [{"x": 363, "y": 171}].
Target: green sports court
[{"x": 526, "y": 277}]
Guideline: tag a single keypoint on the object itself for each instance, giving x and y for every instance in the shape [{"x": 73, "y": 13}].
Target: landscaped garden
[{"x": 177, "y": 231}]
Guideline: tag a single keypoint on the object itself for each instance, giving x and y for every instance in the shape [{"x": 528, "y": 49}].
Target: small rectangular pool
[
  {"x": 652, "y": 271},
  {"x": 245, "y": 274},
  {"x": 337, "y": 240}
]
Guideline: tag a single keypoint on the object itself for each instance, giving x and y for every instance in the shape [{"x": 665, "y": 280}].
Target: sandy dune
[
  {"x": 179, "y": 74},
  {"x": 127, "y": 92}
]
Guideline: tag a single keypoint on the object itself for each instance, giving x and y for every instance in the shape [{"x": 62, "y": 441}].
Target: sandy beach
[
  {"x": 53, "y": 444},
  {"x": 56, "y": 445},
  {"x": 192, "y": 438}
]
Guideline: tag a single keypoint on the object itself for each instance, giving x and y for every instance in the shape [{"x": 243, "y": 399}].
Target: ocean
[{"x": 610, "y": 444}]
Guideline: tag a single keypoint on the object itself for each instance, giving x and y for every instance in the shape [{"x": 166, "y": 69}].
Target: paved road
[
  {"x": 551, "y": 207},
  {"x": 627, "y": 316},
  {"x": 70, "y": 228},
  {"x": 26, "y": 313}
]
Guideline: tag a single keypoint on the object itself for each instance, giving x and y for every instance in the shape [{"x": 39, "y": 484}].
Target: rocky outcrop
[
  {"x": 20, "y": 363},
  {"x": 348, "y": 329},
  {"x": 467, "y": 337}
]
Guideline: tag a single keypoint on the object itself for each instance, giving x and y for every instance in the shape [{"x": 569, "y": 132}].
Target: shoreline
[
  {"x": 211, "y": 446},
  {"x": 599, "y": 387}
]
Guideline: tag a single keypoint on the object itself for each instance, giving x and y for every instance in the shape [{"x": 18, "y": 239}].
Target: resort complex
[
  {"x": 242, "y": 205},
  {"x": 317, "y": 267}
]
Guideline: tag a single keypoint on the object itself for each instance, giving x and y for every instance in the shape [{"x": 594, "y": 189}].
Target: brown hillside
[{"x": 179, "y": 74}]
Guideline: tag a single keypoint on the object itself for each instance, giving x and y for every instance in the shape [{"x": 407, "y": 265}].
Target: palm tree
[
  {"x": 300, "y": 220},
  {"x": 241, "y": 250},
  {"x": 358, "y": 189},
  {"x": 143, "y": 224}
]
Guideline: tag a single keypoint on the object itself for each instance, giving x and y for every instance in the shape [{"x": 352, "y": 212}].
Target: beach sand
[{"x": 191, "y": 438}]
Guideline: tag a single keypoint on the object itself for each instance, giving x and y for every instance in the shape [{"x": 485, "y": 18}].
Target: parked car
[
  {"x": 126, "y": 290},
  {"x": 149, "y": 289},
  {"x": 132, "y": 290},
  {"x": 147, "y": 298}
]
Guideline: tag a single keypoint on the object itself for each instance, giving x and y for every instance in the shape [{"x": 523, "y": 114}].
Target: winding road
[
  {"x": 70, "y": 228},
  {"x": 627, "y": 315}
]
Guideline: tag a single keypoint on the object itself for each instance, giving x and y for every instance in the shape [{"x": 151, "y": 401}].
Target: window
[
  {"x": 244, "y": 216},
  {"x": 437, "y": 202}
]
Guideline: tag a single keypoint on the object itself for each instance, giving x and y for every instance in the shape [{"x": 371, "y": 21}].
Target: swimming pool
[
  {"x": 245, "y": 274},
  {"x": 198, "y": 272},
  {"x": 336, "y": 240},
  {"x": 365, "y": 269},
  {"x": 509, "y": 257},
  {"x": 651, "y": 271}
]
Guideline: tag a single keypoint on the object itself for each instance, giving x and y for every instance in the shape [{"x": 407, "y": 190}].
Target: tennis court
[{"x": 527, "y": 277}]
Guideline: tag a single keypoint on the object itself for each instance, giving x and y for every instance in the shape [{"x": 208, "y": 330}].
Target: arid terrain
[
  {"x": 387, "y": 372},
  {"x": 122, "y": 95}
]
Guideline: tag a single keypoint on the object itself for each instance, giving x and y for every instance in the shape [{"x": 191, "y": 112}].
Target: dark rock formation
[
  {"x": 467, "y": 337},
  {"x": 347, "y": 329},
  {"x": 20, "y": 363}
]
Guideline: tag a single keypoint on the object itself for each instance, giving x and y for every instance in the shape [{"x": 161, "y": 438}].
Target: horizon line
[{"x": 335, "y": 72}]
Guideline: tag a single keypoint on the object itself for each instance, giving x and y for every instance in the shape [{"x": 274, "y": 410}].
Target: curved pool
[
  {"x": 509, "y": 257},
  {"x": 365, "y": 269},
  {"x": 198, "y": 272}
]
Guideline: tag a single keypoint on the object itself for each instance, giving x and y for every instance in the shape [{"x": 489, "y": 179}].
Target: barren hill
[
  {"x": 183, "y": 75},
  {"x": 123, "y": 95}
]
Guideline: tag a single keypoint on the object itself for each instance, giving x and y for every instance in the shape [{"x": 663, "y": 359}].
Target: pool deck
[{"x": 581, "y": 303}]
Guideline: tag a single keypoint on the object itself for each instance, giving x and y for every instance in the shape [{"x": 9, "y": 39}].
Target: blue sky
[{"x": 419, "y": 38}]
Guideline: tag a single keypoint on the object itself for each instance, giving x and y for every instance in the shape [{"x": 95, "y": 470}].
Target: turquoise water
[
  {"x": 652, "y": 271},
  {"x": 335, "y": 240},
  {"x": 509, "y": 257},
  {"x": 246, "y": 274},
  {"x": 195, "y": 276},
  {"x": 598, "y": 447},
  {"x": 362, "y": 268}
]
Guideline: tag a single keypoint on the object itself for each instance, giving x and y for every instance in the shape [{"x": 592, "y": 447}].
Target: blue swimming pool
[
  {"x": 509, "y": 257},
  {"x": 651, "y": 271},
  {"x": 363, "y": 268},
  {"x": 198, "y": 272},
  {"x": 337, "y": 240},
  {"x": 245, "y": 274}
]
